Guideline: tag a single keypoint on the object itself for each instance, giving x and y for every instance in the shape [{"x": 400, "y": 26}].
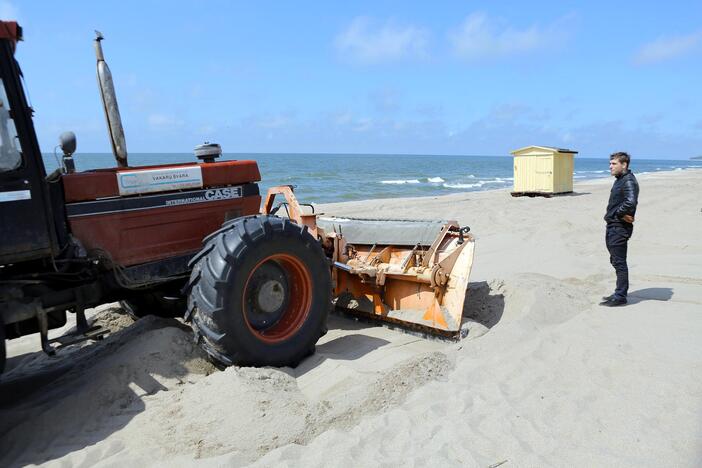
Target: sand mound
[
  {"x": 112, "y": 317},
  {"x": 243, "y": 413},
  {"x": 540, "y": 300},
  {"x": 483, "y": 308},
  {"x": 533, "y": 299}
]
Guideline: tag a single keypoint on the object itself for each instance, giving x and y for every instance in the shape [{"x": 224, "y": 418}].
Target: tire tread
[{"x": 225, "y": 249}]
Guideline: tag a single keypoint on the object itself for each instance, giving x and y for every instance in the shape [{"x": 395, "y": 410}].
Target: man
[{"x": 620, "y": 223}]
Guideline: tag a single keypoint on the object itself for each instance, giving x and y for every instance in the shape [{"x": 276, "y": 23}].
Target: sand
[{"x": 546, "y": 377}]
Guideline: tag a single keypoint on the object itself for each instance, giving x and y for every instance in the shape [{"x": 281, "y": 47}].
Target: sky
[{"x": 466, "y": 78}]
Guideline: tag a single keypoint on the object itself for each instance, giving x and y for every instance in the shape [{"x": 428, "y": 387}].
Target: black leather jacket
[{"x": 623, "y": 198}]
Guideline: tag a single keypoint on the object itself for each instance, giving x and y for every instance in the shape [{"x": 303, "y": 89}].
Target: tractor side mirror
[
  {"x": 68, "y": 143},
  {"x": 67, "y": 140}
]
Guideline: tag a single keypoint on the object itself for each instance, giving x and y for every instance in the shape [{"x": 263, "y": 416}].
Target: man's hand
[{"x": 628, "y": 219}]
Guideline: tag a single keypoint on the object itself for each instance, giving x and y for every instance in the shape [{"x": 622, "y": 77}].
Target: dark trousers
[{"x": 616, "y": 238}]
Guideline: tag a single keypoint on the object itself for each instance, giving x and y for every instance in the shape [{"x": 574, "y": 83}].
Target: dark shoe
[
  {"x": 608, "y": 298},
  {"x": 614, "y": 302}
]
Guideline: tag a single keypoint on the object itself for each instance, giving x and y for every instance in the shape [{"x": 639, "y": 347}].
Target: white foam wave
[
  {"x": 496, "y": 180},
  {"x": 480, "y": 183},
  {"x": 435, "y": 180},
  {"x": 399, "y": 182}
]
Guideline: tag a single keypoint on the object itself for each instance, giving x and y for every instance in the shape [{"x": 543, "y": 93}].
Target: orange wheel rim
[{"x": 277, "y": 298}]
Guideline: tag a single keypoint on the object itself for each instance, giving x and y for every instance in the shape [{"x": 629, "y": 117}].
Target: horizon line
[{"x": 294, "y": 153}]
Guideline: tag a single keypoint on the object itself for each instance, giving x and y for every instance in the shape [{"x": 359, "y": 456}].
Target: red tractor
[
  {"x": 73, "y": 240},
  {"x": 188, "y": 240}
]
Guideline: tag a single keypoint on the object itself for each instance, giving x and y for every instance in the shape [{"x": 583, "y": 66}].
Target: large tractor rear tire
[{"x": 259, "y": 293}]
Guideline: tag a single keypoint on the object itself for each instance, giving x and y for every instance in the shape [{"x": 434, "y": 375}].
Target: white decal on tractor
[
  {"x": 15, "y": 196},
  {"x": 223, "y": 193},
  {"x": 159, "y": 180}
]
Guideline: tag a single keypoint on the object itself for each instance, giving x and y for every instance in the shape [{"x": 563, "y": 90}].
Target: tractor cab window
[{"x": 10, "y": 156}]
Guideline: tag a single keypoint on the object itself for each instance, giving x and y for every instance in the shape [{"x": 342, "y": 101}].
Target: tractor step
[
  {"x": 95, "y": 332},
  {"x": 83, "y": 332}
]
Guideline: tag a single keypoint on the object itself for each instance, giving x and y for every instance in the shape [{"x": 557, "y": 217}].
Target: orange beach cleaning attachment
[{"x": 412, "y": 273}]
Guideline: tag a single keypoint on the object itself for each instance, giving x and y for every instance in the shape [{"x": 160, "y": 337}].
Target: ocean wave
[
  {"x": 399, "y": 182},
  {"x": 480, "y": 183},
  {"x": 435, "y": 180}
]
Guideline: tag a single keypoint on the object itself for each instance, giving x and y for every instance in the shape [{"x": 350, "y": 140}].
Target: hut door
[{"x": 544, "y": 174}]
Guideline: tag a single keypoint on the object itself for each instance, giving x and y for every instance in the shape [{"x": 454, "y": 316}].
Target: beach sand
[{"x": 546, "y": 377}]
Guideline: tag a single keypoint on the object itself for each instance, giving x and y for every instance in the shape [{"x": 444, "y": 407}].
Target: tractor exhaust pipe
[{"x": 109, "y": 102}]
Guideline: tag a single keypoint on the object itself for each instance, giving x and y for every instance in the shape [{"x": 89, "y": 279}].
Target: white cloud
[
  {"x": 480, "y": 37},
  {"x": 364, "y": 40},
  {"x": 666, "y": 48}
]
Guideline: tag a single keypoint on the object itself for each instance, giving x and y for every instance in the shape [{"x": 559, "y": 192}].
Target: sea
[{"x": 328, "y": 178}]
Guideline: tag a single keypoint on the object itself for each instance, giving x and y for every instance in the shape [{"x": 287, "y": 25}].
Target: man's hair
[{"x": 621, "y": 156}]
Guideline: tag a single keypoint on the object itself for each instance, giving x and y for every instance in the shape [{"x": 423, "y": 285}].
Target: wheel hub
[
  {"x": 267, "y": 296},
  {"x": 271, "y": 296}
]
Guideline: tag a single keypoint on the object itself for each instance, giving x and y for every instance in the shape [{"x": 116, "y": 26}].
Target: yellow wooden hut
[{"x": 543, "y": 170}]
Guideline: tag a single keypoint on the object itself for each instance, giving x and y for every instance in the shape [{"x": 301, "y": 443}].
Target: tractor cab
[{"x": 27, "y": 228}]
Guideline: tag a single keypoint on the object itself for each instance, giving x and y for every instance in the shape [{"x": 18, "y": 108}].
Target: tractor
[{"x": 256, "y": 281}]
